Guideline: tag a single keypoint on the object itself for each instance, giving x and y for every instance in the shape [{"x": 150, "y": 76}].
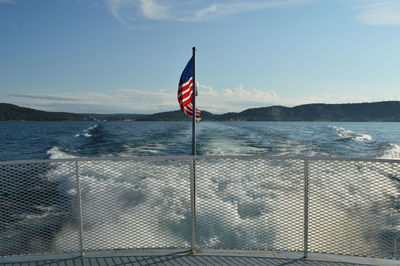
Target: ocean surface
[
  {"x": 241, "y": 204},
  {"x": 54, "y": 140}
]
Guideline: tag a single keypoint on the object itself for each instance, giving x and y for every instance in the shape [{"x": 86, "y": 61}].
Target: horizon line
[{"x": 177, "y": 110}]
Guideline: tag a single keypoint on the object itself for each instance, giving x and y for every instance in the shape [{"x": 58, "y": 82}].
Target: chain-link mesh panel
[
  {"x": 135, "y": 204},
  {"x": 250, "y": 204},
  {"x": 354, "y": 207},
  {"x": 37, "y": 207},
  {"x": 243, "y": 203}
]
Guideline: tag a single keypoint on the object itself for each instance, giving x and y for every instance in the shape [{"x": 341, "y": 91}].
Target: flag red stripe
[
  {"x": 186, "y": 89},
  {"x": 187, "y": 98},
  {"x": 185, "y": 95}
]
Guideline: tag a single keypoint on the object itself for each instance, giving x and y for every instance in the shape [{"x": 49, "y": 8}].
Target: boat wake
[
  {"x": 87, "y": 133},
  {"x": 348, "y": 134},
  {"x": 57, "y": 153},
  {"x": 248, "y": 203},
  {"x": 241, "y": 204},
  {"x": 390, "y": 151}
]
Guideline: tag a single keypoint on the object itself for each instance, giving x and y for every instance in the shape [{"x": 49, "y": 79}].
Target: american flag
[{"x": 185, "y": 91}]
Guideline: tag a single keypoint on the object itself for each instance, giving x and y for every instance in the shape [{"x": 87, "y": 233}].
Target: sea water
[
  {"x": 239, "y": 210},
  {"x": 53, "y": 140}
]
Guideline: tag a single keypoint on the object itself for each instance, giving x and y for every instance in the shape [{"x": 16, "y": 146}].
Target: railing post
[
  {"x": 79, "y": 203},
  {"x": 306, "y": 180},
  {"x": 395, "y": 247},
  {"x": 193, "y": 202}
]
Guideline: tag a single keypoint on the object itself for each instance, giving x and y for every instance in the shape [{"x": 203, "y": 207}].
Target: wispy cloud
[
  {"x": 48, "y": 97},
  {"x": 153, "y": 9},
  {"x": 127, "y": 11},
  {"x": 124, "y": 100},
  {"x": 144, "y": 101},
  {"x": 240, "y": 98},
  {"x": 233, "y": 7},
  {"x": 380, "y": 12},
  {"x": 236, "y": 99}
]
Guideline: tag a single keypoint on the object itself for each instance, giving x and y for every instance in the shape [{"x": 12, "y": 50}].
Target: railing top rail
[{"x": 191, "y": 157}]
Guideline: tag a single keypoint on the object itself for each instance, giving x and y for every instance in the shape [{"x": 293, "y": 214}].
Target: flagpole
[
  {"x": 193, "y": 168},
  {"x": 194, "y": 104}
]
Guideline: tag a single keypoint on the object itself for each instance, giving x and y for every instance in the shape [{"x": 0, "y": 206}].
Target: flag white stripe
[
  {"x": 187, "y": 98},
  {"x": 185, "y": 91},
  {"x": 187, "y": 82}
]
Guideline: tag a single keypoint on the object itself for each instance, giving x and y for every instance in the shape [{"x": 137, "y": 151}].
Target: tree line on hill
[{"x": 362, "y": 112}]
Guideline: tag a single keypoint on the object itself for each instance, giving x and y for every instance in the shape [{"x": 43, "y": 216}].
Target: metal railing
[{"x": 330, "y": 205}]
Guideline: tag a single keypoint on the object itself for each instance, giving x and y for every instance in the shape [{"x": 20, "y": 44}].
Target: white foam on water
[
  {"x": 56, "y": 153},
  {"x": 131, "y": 204},
  {"x": 363, "y": 137},
  {"x": 391, "y": 151},
  {"x": 342, "y": 132},
  {"x": 231, "y": 147},
  {"x": 293, "y": 147},
  {"x": 249, "y": 204},
  {"x": 348, "y": 134},
  {"x": 92, "y": 127},
  {"x": 144, "y": 149},
  {"x": 147, "y": 205},
  {"x": 242, "y": 205},
  {"x": 354, "y": 201},
  {"x": 45, "y": 211},
  {"x": 86, "y": 132}
]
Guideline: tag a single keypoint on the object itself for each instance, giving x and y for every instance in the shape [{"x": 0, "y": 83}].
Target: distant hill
[
  {"x": 176, "y": 116},
  {"x": 10, "y": 112},
  {"x": 376, "y": 111}
]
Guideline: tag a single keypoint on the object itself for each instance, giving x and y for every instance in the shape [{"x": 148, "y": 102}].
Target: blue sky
[{"x": 113, "y": 56}]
